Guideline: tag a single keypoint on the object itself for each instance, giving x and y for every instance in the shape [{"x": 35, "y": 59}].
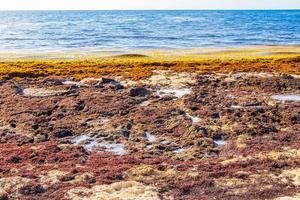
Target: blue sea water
[{"x": 46, "y": 30}]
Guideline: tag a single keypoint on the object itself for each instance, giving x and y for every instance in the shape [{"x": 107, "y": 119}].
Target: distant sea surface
[{"x": 58, "y": 30}]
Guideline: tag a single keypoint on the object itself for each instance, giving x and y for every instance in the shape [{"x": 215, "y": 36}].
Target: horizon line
[{"x": 202, "y": 9}]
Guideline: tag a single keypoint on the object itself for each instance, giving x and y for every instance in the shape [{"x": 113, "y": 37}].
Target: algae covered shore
[{"x": 200, "y": 125}]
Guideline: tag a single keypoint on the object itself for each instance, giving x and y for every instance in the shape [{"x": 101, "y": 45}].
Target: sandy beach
[{"x": 218, "y": 124}]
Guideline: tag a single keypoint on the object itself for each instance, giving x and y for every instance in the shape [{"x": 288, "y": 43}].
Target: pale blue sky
[{"x": 146, "y": 4}]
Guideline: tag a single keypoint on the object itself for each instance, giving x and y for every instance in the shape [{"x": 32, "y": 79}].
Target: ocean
[{"x": 58, "y": 30}]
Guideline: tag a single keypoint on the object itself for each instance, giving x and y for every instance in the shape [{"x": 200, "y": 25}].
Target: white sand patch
[
  {"x": 77, "y": 83},
  {"x": 174, "y": 92},
  {"x": 91, "y": 144},
  {"x": 42, "y": 92},
  {"x": 164, "y": 79},
  {"x": 171, "y": 80},
  {"x": 286, "y": 97},
  {"x": 84, "y": 82}
]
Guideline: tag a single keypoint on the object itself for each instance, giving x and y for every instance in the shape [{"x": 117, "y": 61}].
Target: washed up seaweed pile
[{"x": 138, "y": 129}]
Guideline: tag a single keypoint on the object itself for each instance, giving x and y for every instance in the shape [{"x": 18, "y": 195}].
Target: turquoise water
[{"x": 46, "y": 30}]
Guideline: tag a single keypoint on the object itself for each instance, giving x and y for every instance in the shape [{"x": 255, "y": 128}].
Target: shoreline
[
  {"x": 259, "y": 51},
  {"x": 141, "y": 65}
]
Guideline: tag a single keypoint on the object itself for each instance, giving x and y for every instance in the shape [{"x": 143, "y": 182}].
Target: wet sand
[{"x": 134, "y": 127}]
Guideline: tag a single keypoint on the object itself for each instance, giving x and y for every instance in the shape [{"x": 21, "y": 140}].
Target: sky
[{"x": 146, "y": 4}]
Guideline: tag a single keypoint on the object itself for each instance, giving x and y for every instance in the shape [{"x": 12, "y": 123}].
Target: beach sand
[{"x": 197, "y": 124}]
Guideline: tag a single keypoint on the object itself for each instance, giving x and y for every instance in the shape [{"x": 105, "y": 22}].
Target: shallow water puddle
[
  {"x": 79, "y": 139},
  {"x": 90, "y": 144},
  {"x": 165, "y": 142},
  {"x": 83, "y": 82},
  {"x": 194, "y": 119},
  {"x": 150, "y": 138},
  {"x": 77, "y": 83},
  {"x": 244, "y": 107},
  {"x": 145, "y": 103},
  {"x": 219, "y": 142},
  {"x": 149, "y": 146},
  {"x": 179, "y": 150},
  {"x": 173, "y": 92},
  {"x": 236, "y": 107},
  {"x": 286, "y": 97},
  {"x": 114, "y": 148}
]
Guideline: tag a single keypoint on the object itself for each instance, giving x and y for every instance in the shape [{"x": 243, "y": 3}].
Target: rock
[
  {"x": 15, "y": 159},
  {"x": 31, "y": 189},
  {"x": 110, "y": 83},
  {"x": 129, "y": 126},
  {"x": 267, "y": 130},
  {"x": 295, "y": 119},
  {"x": 203, "y": 131},
  {"x": 54, "y": 81},
  {"x": 62, "y": 134},
  {"x": 99, "y": 86},
  {"x": 116, "y": 86},
  {"x": 140, "y": 91},
  {"x": 161, "y": 147},
  {"x": 35, "y": 126},
  {"x": 181, "y": 112},
  {"x": 17, "y": 88},
  {"x": 13, "y": 125},
  {"x": 80, "y": 106},
  {"x": 215, "y": 115},
  {"x": 194, "y": 108},
  {"x": 108, "y": 80},
  {"x": 44, "y": 92},
  {"x": 125, "y": 133},
  {"x": 73, "y": 87}
]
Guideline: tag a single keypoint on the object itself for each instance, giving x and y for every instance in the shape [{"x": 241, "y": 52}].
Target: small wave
[{"x": 131, "y": 55}]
